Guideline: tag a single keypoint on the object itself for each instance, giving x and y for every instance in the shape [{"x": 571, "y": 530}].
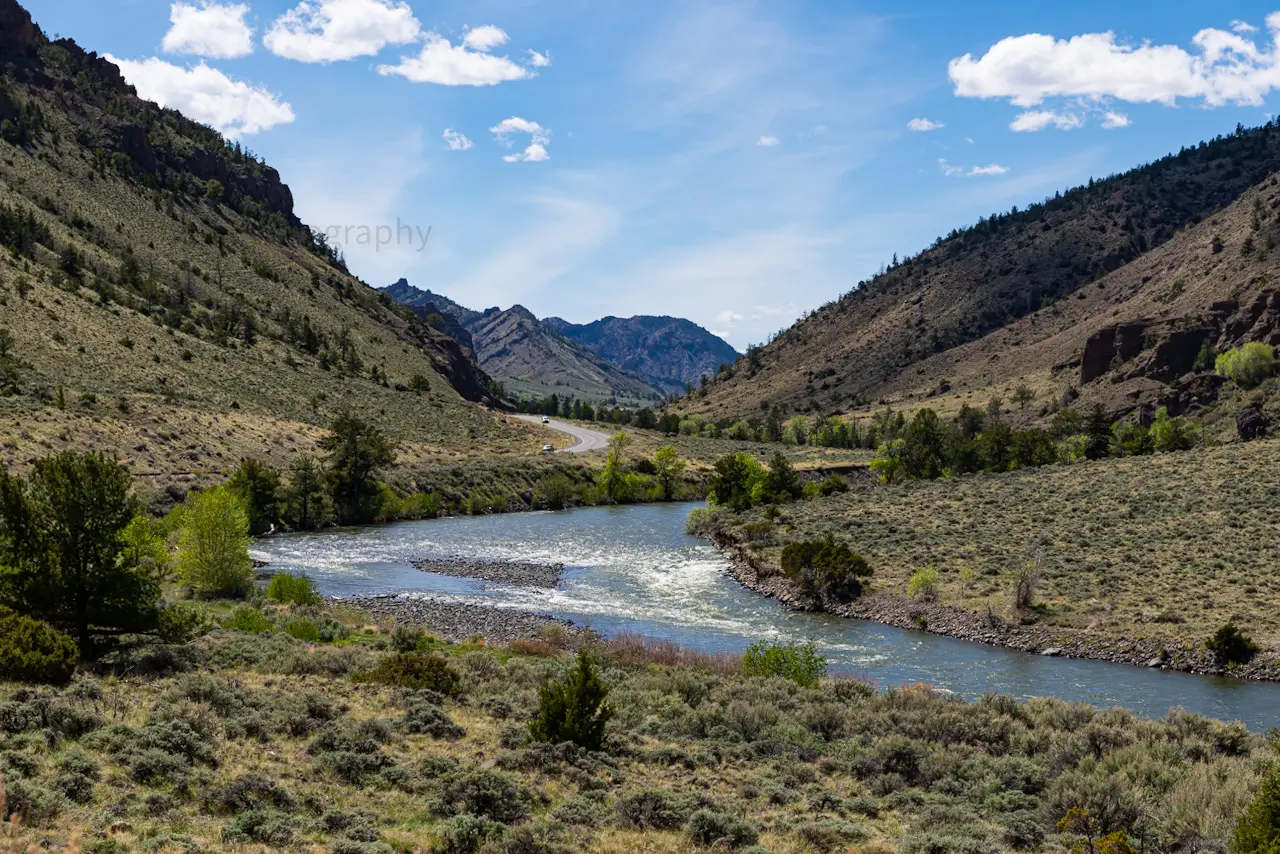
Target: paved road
[{"x": 587, "y": 440}]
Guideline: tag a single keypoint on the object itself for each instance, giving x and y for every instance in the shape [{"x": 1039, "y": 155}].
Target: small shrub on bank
[
  {"x": 32, "y": 651},
  {"x": 924, "y": 584},
  {"x": 826, "y": 568},
  {"x": 415, "y": 671},
  {"x": 303, "y": 630},
  {"x": 248, "y": 619},
  {"x": 1230, "y": 645},
  {"x": 292, "y": 589},
  {"x": 799, "y": 662}
]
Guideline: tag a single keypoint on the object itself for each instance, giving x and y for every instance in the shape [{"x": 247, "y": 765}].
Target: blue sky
[{"x": 737, "y": 163}]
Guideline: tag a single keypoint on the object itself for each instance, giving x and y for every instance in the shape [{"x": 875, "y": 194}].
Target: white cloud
[
  {"x": 206, "y": 95},
  {"x": 729, "y": 318},
  {"x": 768, "y": 142},
  {"x": 1111, "y": 120},
  {"x": 538, "y": 60},
  {"x": 970, "y": 171},
  {"x": 1222, "y": 67},
  {"x": 924, "y": 125},
  {"x": 1243, "y": 27},
  {"x": 337, "y": 30},
  {"x": 456, "y": 141},
  {"x": 443, "y": 63},
  {"x": 1037, "y": 120},
  {"x": 540, "y": 138},
  {"x": 485, "y": 39},
  {"x": 210, "y": 29}
]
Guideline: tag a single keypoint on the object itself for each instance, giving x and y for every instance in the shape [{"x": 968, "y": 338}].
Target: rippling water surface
[{"x": 634, "y": 569}]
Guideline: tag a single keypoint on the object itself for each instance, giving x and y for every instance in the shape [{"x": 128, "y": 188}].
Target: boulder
[{"x": 1251, "y": 423}]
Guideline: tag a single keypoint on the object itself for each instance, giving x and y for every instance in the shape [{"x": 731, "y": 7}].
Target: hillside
[
  {"x": 530, "y": 357},
  {"x": 667, "y": 351},
  {"x": 161, "y": 300},
  {"x": 900, "y": 330}
]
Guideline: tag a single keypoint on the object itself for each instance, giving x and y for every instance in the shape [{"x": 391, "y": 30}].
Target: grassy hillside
[
  {"x": 1169, "y": 547},
  {"x": 269, "y": 743},
  {"x": 161, "y": 301},
  {"x": 901, "y": 330}
]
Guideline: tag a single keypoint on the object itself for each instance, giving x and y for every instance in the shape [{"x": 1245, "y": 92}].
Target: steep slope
[
  {"x": 532, "y": 359},
  {"x": 667, "y": 351},
  {"x": 986, "y": 277},
  {"x": 161, "y": 301}
]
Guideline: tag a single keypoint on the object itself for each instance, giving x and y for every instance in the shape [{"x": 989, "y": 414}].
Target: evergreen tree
[
  {"x": 306, "y": 501},
  {"x": 782, "y": 484},
  {"x": 574, "y": 710},
  {"x": 1097, "y": 431},
  {"x": 356, "y": 452},
  {"x": 62, "y": 544},
  {"x": 257, "y": 485},
  {"x": 1258, "y": 828}
]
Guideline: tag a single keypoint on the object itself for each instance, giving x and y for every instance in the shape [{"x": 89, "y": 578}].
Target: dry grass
[{"x": 1170, "y": 546}]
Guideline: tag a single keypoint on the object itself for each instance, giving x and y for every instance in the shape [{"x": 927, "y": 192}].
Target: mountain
[
  {"x": 667, "y": 351},
  {"x": 906, "y": 332},
  {"x": 531, "y": 357},
  {"x": 163, "y": 303}
]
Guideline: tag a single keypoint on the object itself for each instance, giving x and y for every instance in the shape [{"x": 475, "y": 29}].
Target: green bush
[
  {"x": 1247, "y": 366},
  {"x": 303, "y": 630},
  {"x": 292, "y": 589},
  {"x": 416, "y": 671},
  {"x": 248, "y": 619},
  {"x": 466, "y": 834},
  {"x": 923, "y": 584},
  {"x": 826, "y": 568},
  {"x": 575, "y": 709},
  {"x": 652, "y": 809},
  {"x": 488, "y": 794},
  {"x": 407, "y": 638},
  {"x": 1258, "y": 829},
  {"x": 183, "y": 622},
  {"x": 32, "y": 651},
  {"x": 1230, "y": 645},
  {"x": 799, "y": 662}
]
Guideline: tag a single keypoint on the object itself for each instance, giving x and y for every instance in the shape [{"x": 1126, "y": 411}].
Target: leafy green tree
[
  {"x": 257, "y": 485},
  {"x": 306, "y": 498},
  {"x": 213, "y": 546},
  {"x": 213, "y": 191},
  {"x": 356, "y": 452},
  {"x": 782, "y": 484},
  {"x": 669, "y": 468},
  {"x": 1032, "y": 448},
  {"x": 575, "y": 709},
  {"x": 923, "y": 584},
  {"x": 734, "y": 481},
  {"x": 826, "y": 569},
  {"x": 613, "y": 480},
  {"x": 63, "y": 549},
  {"x": 970, "y": 421},
  {"x": 556, "y": 491},
  {"x": 1249, "y": 365},
  {"x": 799, "y": 662},
  {"x": 887, "y": 463},
  {"x": 1171, "y": 434}
]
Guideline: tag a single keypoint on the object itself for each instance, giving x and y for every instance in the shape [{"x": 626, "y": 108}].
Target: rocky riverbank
[
  {"x": 963, "y": 624},
  {"x": 456, "y": 621},
  {"x": 511, "y": 572}
]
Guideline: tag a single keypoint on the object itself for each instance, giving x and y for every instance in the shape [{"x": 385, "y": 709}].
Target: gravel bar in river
[
  {"x": 456, "y": 621},
  {"x": 526, "y": 573}
]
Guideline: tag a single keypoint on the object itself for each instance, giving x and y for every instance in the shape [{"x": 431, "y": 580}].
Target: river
[{"x": 634, "y": 569}]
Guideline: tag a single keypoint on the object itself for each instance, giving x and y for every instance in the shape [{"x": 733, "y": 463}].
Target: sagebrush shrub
[
  {"x": 707, "y": 827},
  {"x": 292, "y": 589},
  {"x": 799, "y": 662},
  {"x": 415, "y": 671},
  {"x": 32, "y": 651},
  {"x": 652, "y": 809},
  {"x": 488, "y": 794}
]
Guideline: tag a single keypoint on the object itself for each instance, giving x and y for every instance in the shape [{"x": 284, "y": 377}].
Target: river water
[{"x": 634, "y": 569}]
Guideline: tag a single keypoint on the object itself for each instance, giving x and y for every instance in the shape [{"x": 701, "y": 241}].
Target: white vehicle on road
[
  {"x": 546, "y": 420},
  {"x": 548, "y": 449}
]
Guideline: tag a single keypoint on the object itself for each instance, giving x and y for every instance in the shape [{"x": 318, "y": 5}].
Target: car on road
[
  {"x": 546, "y": 420},
  {"x": 547, "y": 449}
]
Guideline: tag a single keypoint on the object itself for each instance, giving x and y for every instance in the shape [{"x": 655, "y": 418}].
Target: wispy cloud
[
  {"x": 970, "y": 171},
  {"x": 924, "y": 125},
  {"x": 1037, "y": 120},
  {"x": 456, "y": 141},
  {"x": 539, "y": 139},
  {"x": 768, "y": 142}
]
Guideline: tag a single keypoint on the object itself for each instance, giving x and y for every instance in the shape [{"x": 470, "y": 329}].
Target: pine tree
[{"x": 575, "y": 709}]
